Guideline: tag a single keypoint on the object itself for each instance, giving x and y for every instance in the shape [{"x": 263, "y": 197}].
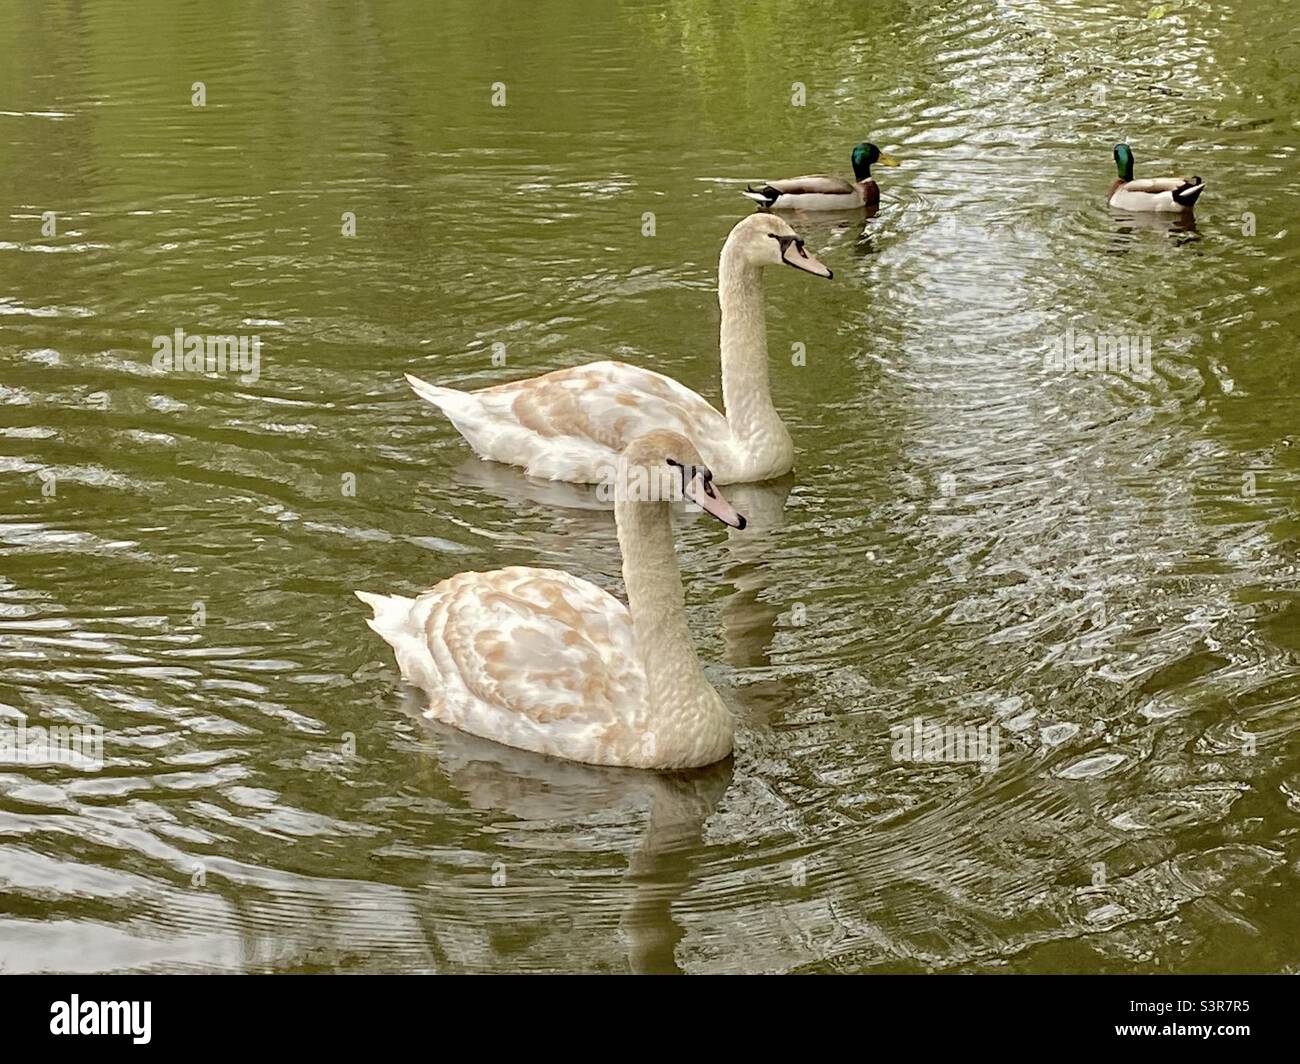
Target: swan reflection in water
[{"x": 542, "y": 793}]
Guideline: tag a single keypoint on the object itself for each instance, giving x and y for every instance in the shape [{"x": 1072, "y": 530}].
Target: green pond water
[{"x": 1102, "y": 565}]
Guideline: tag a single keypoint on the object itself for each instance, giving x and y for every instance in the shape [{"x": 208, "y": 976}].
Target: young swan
[
  {"x": 572, "y": 424},
  {"x": 543, "y": 661},
  {"x": 1168, "y": 194}
]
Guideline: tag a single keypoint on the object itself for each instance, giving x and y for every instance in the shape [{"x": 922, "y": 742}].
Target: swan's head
[
  {"x": 662, "y": 466},
  {"x": 765, "y": 240}
]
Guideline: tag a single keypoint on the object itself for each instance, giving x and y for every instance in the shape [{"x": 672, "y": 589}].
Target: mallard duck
[
  {"x": 572, "y": 424},
  {"x": 821, "y": 192},
  {"x": 1151, "y": 193},
  {"x": 540, "y": 660}
]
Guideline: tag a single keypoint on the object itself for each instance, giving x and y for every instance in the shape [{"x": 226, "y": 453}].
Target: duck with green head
[
  {"x": 1173, "y": 194},
  {"x": 822, "y": 192}
]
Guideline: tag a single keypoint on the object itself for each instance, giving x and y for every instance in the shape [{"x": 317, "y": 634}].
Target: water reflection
[
  {"x": 510, "y": 485},
  {"x": 543, "y": 793},
  {"x": 1181, "y": 229}
]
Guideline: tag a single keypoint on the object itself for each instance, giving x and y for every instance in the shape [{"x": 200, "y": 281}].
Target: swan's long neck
[
  {"x": 746, "y": 390},
  {"x": 688, "y": 721}
]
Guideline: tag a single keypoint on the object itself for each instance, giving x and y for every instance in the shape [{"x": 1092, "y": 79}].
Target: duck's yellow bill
[{"x": 886, "y": 160}]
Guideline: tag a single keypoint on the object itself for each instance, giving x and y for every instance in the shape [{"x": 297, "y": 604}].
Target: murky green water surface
[{"x": 1106, "y": 567}]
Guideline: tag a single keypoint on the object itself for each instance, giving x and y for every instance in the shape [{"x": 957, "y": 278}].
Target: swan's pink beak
[
  {"x": 704, "y": 493},
  {"x": 796, "y": 255}
]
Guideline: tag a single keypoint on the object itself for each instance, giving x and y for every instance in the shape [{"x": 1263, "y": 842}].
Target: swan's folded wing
[
  {"x": 535, "y": 658},
  {"x": 609, "y": 403},
  {"x": 813, "y": 184}
]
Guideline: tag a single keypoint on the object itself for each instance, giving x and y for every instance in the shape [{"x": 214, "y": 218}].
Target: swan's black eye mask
[
  {"x": 786, "y": 241},
  {"x": 688, "y": 474}
]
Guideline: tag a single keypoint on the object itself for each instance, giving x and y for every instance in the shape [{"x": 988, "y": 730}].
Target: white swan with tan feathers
[
  {"x": 572, "y": 424},
  {"x": 543, "y": 661}
]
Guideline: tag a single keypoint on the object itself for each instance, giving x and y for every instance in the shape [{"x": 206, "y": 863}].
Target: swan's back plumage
[
  {"x": 534, "y": 658},
  {"x": 573, "y": 424}
]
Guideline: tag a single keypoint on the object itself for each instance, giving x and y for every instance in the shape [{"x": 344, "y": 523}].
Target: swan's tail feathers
[
  {"x": 449, "y": 400},
  {"x": 392, "y": 614},
  {"x": 1189, "y": 193},
  {"x": 764, "y": 197}
]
